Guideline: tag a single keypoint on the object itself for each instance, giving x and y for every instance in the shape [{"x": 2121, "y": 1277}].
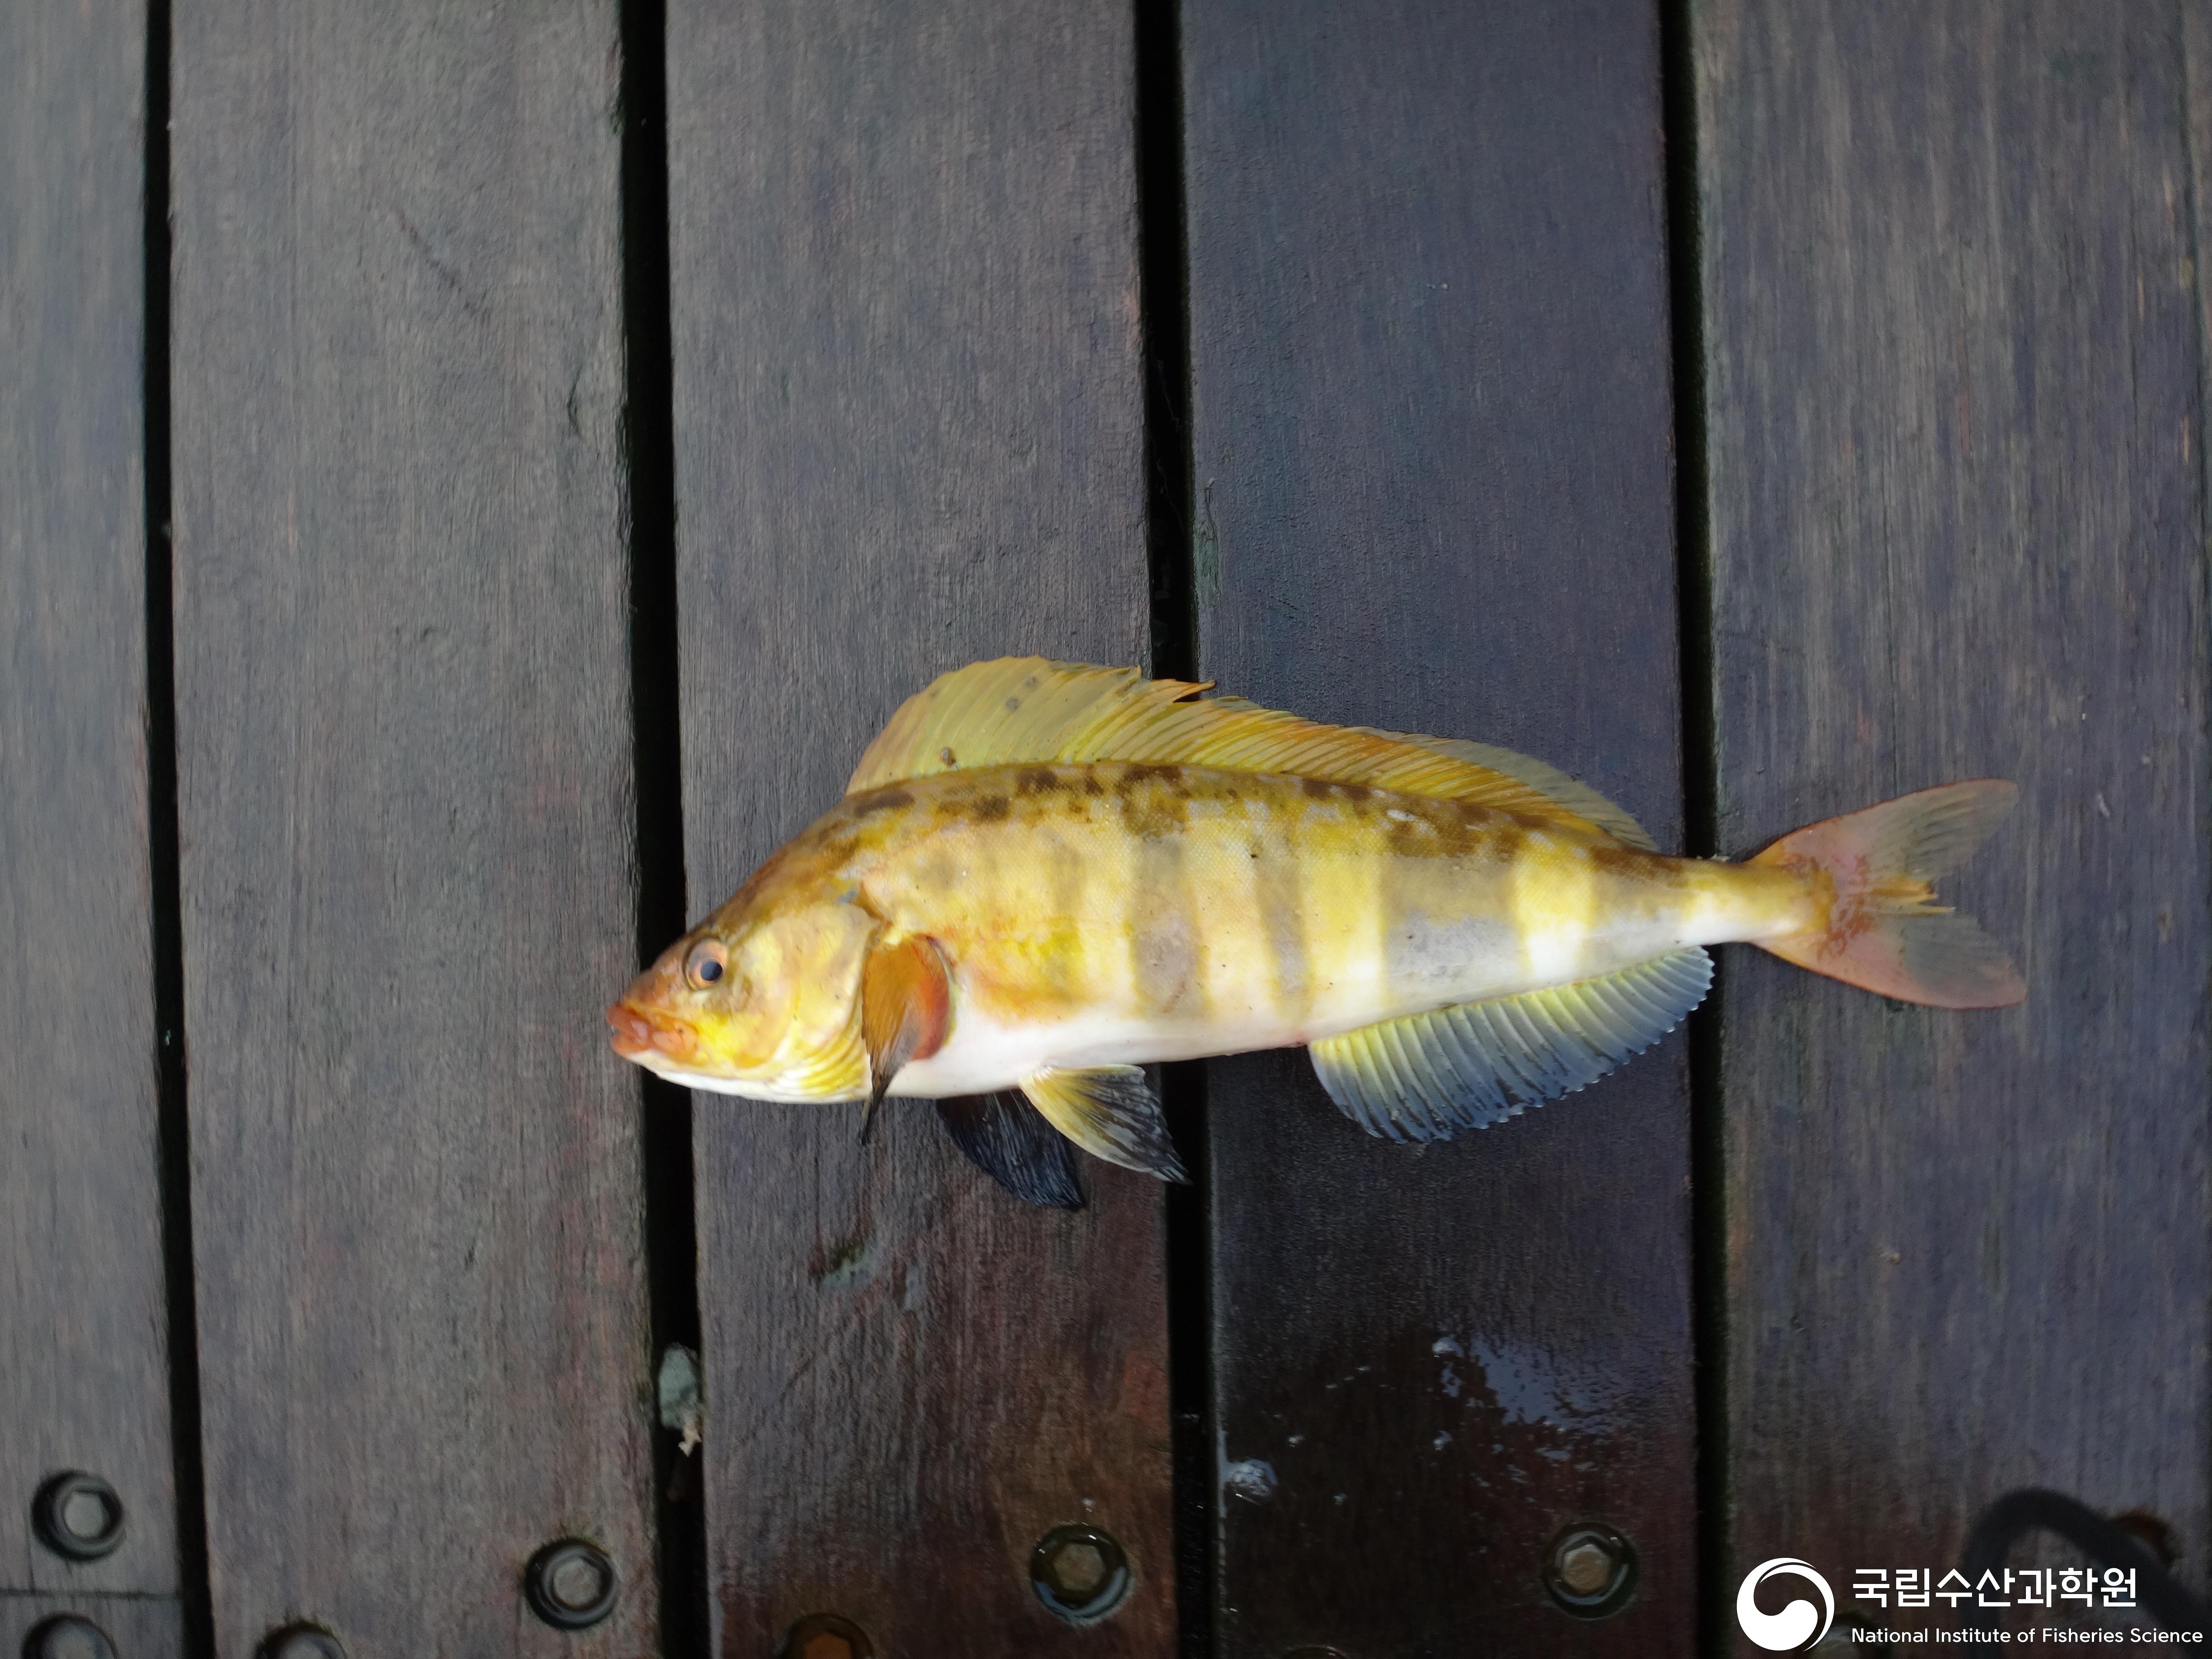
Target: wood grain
[
  {"x": 908, "y": 409},
  {"x": 82, "y": 1360},
  {"x": 406, "y": 815},
  {"x": 1958, "y": 529},
  {"x": 1431, "y": 410}
]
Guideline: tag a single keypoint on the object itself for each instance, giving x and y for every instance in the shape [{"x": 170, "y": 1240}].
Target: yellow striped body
[
  {"x": 1112, "y": 912},
  {"x": 1045, "y": 875}
]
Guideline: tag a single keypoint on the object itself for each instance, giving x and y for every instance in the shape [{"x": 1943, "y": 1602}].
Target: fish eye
[{"x": 706, "y": 963}]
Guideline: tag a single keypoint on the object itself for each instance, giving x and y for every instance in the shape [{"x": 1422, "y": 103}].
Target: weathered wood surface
[
  {"x": 406, "y": 810},
  {"x": 907, "y": 409},
  {"x": 1958, "y": 529},
  {"x": 82, "y": 1309},
  {"x": 1431, "y": 410}
]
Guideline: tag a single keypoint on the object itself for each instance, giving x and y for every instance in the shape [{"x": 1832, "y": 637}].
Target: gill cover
[{"x": 782, "y": 1021}]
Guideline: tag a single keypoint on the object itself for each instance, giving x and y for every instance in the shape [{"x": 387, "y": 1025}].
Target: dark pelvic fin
[
  {"x": 906, "y": 1008},
  {"x": 1111, "y": 1112},
  {"x": 1427, "y": 1075},
  {"x": 1004, "y": 1138}
]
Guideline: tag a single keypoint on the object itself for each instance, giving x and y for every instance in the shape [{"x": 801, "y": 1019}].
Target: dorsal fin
[
  {"x": 1019, "y": 709},
  {"x": 1546, "y": 779}
]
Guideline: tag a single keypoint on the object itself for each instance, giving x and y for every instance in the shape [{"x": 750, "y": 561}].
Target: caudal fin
[{"x": 1885, "y": 933}]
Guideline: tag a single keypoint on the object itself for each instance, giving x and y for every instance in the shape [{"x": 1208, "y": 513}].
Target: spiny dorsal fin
[
  {"x": 1028, "y": 709},
  {"x": 1426, "y": 1075}
]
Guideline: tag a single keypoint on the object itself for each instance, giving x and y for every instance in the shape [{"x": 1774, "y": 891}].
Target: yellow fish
[{"x": 1045, "y": 875}]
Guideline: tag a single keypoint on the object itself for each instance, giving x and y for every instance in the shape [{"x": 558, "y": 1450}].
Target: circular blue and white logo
[{"x": 1798, "y": 1625}]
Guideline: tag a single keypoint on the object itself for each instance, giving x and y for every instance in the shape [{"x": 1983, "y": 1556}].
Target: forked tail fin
[{"x": 1885, "y": 933}]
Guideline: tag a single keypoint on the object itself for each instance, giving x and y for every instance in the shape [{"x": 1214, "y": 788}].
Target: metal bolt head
[
  {"x": 570, "y": 1584},
  {"x": 1589, "y": 1570},
  {"x": 68, "y": 1637},
  {"x": 825, "y": 1635},
  {"x": 77, "y": 1516},
  {"x": 301, "y": 1642},
  {"x": 1586, "y": 1568},
  {"x": 1078, "y": 1570},
  {"x": 1079, "y": 1573}
]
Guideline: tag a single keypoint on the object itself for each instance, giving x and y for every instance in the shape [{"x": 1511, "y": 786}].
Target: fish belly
[{"x": 1124, "y": 915}]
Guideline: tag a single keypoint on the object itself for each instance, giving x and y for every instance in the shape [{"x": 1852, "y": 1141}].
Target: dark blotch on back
[
  {"x": 1037, "y": 781},
  {"x": 1329, "y": 789},
  {"x": 1631, "y": 861},
  {"x": 1417, "y": 839},
  {"x": 1155, "y": 800},
  {"x": 1455, "y": 837},
  {"x": 1150, "y": 772},
  {"x": 992, "y": 808},
  {"x": 881, "y": 801}
]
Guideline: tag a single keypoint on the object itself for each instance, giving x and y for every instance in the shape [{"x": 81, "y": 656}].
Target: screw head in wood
[
  {"x": 68, "y": 1637},
  {"x": 301, "y": 1642},
  {"x": 1079, "y": 1573},
  {"x": 1589, "y": 1570},
  {"x": 77, "y": 1516},
  {"x": 570, "y": 1584},
  {"x": 825, "y": 1635}
]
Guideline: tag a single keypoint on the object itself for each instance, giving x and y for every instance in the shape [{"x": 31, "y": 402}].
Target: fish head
[{"x": 759, "y": 1000}]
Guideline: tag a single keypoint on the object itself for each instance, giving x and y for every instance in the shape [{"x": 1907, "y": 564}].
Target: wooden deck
[{"x": 471, "y": 480}]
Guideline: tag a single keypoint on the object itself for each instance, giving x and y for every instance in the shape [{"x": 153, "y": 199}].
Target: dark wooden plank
[
  {"x": 1431, "y": 400},
  {"x": 908, "y": 409},
  {"x": 1958, "y": 529},
  {"x": 82, "y": 1364},
  {"x": 136, "y": 1626},
  {"x": 405, "y": 797}
]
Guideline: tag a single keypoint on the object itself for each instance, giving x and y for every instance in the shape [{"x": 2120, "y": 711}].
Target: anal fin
[
  {"x": 1110, "y": 1111},
  {"x": 1010, "y": 1141},
  {"x": 1426, "y": 1075}
]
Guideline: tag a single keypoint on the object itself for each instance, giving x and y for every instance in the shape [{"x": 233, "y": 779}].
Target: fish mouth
[{"x": 646, "y": 1037}]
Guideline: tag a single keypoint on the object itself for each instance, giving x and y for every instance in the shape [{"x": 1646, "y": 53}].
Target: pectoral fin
[
  {"x": 1111, "y": 1112},
  {"x": 906, "y": 1009},
  {"x": 1004, "y": 1136},
  {"x": 1423, "y": 1077}
]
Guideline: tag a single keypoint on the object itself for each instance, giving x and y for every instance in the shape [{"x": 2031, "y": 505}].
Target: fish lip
[{"x": 642, "y": 1036}]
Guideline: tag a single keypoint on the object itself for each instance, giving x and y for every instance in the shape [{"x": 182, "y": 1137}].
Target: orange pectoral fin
[{"x": 906, "y": 1010}]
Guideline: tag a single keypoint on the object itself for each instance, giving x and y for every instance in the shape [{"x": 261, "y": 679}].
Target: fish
[{"x": 1044, "y": 877}]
